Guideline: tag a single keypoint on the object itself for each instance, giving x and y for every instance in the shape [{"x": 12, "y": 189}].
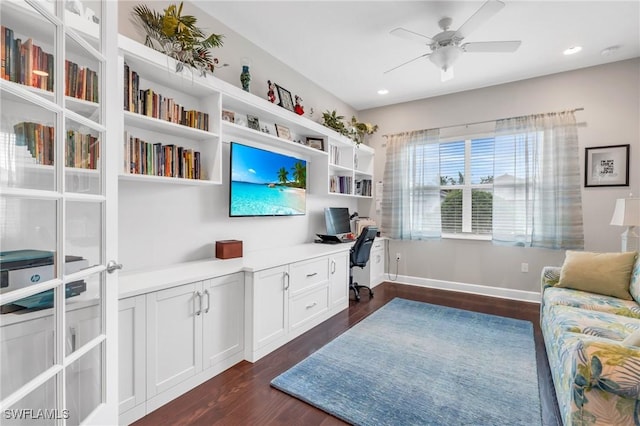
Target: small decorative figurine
[
  {"x": 298, "y": 107},
  {"x": 245, "y": 78},
  {"x": 271, "y": 94}
]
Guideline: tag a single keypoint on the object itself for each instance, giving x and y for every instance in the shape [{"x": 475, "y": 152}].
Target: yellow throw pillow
[{"x": 602, "y": 273}]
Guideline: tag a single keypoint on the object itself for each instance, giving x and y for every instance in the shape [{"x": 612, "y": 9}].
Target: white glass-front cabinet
[{"x": 58, "y": 195}]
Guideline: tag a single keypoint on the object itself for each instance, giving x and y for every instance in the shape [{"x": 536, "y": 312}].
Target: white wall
[
  {"x": 164, "y": 224},
  {"x": 610, "y": 95}
]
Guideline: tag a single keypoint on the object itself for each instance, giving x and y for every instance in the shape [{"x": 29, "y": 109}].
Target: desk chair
[{"x": 360, "y": 256}]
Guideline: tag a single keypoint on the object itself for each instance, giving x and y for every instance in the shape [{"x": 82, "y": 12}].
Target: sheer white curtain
[
  {"x": 411, "y": 194},
  {"x": 537, "y": 189}
]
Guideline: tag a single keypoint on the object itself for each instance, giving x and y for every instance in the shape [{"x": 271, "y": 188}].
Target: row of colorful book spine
[
  {"x": 82, "y": 151},
  {"x": 156, "y": 159},
  {"x": 152, "y": 104},
  {"x": 340, "y": 184},
  {"x": 26, "y": 63}
]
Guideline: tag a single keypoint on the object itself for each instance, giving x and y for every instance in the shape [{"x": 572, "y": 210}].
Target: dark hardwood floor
[{"x": 242, "y": 395}]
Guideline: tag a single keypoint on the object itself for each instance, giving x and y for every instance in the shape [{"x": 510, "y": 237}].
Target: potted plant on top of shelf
[
  {"x": 177, "y": 36},
  {"x": 355, "y": 130},
  {"x": 360, "y": 130}
]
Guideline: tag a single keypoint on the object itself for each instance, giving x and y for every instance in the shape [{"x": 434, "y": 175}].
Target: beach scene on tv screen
[{"x": 265, "y": 183}]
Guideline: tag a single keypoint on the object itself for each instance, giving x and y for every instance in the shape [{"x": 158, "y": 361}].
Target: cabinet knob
[
  {"x": 311, "y": 305},
  {"x": 313, "y": 274},
  {"x": 286, "y": 279},
  {"x": 333, "y": 266}
]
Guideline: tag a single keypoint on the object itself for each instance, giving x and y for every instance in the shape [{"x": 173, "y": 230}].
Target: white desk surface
[{"x": 141, "y": 282}]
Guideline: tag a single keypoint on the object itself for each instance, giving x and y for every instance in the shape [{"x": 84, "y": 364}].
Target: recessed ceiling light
[
  {"x": 572, "y": 50},
  {"x": 605, "y": 52},
  {"x": 383, "y": 92}
]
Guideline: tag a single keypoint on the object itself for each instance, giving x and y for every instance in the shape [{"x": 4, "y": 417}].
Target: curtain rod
[{"x": 482, "y": 122}]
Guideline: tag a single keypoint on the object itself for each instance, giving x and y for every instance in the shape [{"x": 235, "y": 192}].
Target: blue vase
[{"x": 245, "y": 78}]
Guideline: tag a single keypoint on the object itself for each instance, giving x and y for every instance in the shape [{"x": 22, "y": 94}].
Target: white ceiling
[{"x": 345, "y": 46}]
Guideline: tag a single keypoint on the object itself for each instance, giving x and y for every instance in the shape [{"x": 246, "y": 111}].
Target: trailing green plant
[{"x": 177, "y": 36}]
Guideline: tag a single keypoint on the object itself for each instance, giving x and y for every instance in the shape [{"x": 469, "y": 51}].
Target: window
[{"x": 466, "y": 187}]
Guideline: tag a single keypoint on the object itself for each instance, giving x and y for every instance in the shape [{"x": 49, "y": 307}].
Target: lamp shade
[{"x": 627, "y": 212}]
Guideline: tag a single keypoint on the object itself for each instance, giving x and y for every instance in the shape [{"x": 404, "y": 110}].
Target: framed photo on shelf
[
  {"x": 283, "y": 132},
  {"x": 606, "y": 166},
  {"x": 286, "y": 101},
  {"x": 317, "y": 143},
  {"x": 253, "y": 122},
  {"x": 229, "y": 116}
]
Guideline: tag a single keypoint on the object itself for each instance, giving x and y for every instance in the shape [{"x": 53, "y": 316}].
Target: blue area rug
[{"x": 413, "y": 363}]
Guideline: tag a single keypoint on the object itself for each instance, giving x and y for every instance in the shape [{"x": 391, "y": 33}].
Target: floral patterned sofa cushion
[
  {"x": 634, "y": 285},
  {"x": 591, "y": 301},
  {"x": 596, "y": 377}
]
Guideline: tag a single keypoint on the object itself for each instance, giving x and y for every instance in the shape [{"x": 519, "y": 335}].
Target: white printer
[{"x": 22, "y": 268}]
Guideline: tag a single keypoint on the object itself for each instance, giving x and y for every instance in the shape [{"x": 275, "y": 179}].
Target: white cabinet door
[
  {"x": 339, "y": 280},
  {"x": 270, "y": 305},
  {"x": 174, "y": 336},
  {"x": 223, "y": 318},
  {"x": 131, "y": 352}
]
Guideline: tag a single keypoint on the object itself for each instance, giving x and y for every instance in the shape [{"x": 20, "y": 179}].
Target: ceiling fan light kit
[{"x": 446, "y": 46}]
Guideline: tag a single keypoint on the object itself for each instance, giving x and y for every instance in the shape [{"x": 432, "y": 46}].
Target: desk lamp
[{"x": 627, "y": 213}]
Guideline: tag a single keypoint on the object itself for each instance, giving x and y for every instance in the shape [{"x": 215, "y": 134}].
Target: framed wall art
[
  {"x": 229, "y": 116},
  {"x": 317, "y": 143},
  {"x": 606, "y": 166},
  {"x": 286, "y": 101},
  {"x": 253, "y": 122},
  {"x": 283, "y": 132}
]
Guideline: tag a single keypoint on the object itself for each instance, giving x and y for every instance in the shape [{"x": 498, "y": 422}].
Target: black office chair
[{"x": 360, "y": 256}]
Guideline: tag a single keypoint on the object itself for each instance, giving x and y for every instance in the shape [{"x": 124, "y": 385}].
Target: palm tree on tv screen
[
  {"x": 283, "y": 175},
  {"x": 300, "y": 174}
]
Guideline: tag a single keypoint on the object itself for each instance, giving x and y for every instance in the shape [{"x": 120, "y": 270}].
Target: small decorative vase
[{"x": 245, "y": 78}]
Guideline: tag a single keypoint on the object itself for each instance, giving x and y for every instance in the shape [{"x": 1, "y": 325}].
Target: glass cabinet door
[{"x": 58, "y": 306}]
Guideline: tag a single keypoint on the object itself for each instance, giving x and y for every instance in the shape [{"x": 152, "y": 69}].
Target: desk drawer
[
  {"x": 306, "y": 274},
  {"x": 308, "y": 306}
]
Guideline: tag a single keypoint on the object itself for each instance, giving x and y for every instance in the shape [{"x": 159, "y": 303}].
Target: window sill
[{"x": 474, "y": 237}]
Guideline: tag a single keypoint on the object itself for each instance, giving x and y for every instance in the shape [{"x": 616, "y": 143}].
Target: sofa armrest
[{"x": 550, "y": 277}]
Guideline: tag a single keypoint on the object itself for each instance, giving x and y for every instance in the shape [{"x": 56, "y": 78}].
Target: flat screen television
[
  {"x": 266, "y": 183},
  {"x": 337, "y": 220}
]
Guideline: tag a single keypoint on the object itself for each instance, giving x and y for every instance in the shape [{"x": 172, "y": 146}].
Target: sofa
[{"x": 591, "y": 330}]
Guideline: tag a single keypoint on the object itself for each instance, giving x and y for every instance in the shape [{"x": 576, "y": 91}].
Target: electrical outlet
[
  {"x": 397, "y": 257},
  {"x": 524, "y": 267}
]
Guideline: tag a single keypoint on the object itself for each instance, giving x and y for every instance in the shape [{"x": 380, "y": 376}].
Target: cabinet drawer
[
  {"x": 308, "y": 306},
  {"x": 308, "y": 273}
]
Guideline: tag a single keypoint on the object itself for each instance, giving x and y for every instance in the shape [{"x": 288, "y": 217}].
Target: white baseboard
[{"x": 503, "y": 293}]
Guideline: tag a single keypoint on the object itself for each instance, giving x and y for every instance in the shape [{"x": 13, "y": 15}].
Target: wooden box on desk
[{"x": 228, "y": 249}]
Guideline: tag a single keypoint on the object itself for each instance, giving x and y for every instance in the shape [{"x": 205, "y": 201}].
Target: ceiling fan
[{"x": 447, "y": 46}]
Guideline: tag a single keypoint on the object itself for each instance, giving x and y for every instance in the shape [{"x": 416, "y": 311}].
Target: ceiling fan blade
[
  {"x": 408, "y": 62},
  {"x": 491, "y": 46},
  {"x": 410, "y": 35},
  {"x": 486, "y": 11}
]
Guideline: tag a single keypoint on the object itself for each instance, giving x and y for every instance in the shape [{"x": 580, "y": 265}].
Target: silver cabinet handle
[
  {"x": 311, "y": 305},
  {"x": 206, "y": 311},
  {"x": 285, "y": 279},
  {"x": 112, "y": 266},
  {"x": 199, "y": 296},
  {"x": 333, "y": 266},
  {"x": 313, "y": 274}
]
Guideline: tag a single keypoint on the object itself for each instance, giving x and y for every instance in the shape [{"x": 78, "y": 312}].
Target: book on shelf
[
  {"x": 334, "y": 154},
  {"x": 82, "y": 151},
  {"x": 25, "y": 62},
  {"x": 153, "y": 104},
  {"x": 363, "y": 187},
  {"x": 340, "y": 184},
  {"x": 156, "y": 159}
]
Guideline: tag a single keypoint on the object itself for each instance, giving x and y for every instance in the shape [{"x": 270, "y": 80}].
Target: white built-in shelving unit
[{"x": 212, "y": 95}]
